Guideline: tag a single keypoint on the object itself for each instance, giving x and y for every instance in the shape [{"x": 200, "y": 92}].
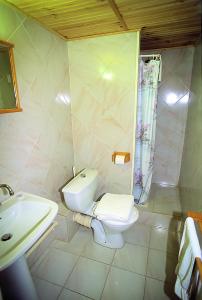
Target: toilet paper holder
[{"x": 126, "y": 156}]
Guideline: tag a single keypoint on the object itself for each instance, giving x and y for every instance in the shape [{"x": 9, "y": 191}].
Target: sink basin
[{"x": 23, "y": 219}]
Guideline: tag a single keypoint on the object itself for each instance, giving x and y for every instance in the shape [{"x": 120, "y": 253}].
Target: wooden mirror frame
[{"x": 14, "y": 80}]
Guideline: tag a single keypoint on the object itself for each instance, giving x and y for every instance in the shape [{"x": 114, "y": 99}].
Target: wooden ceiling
[{"x": 163, "y": 23}]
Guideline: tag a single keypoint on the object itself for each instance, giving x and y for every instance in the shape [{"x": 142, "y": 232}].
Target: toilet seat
[
  {"x": 114, "y": 207},
  {"x": 133, "y": 218}
]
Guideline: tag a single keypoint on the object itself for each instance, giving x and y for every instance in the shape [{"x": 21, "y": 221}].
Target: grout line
[
  {"x": 79, "y": 256},
  {"x": 147, "y": 261},
  {"x": 163, "y": 281},
  {"x": 38, "y": 277},
  {"x": 123, "y": 269},
  {"x": 18, "y": 27},
  {"x": 105, "y": 281},
  {"x": 110, "y": 266},
  {"x": 64, "y": 288},
  {"x": 93, "y": 259},
  {"x": 72, "y": 271},
  {"x": 144, "y": 287},
  {"x": 64, "y": 285}
]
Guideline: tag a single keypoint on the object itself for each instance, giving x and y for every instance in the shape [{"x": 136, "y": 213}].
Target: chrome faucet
[{"x": 6, "y": 186}]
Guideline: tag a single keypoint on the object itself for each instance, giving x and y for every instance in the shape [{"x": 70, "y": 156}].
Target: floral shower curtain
[{"x": 146, "y": 128}]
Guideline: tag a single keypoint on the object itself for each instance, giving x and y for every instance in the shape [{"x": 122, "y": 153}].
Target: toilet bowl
[
  {"x": 112, "y": 237},
  {"x": 111, "y": 215}
]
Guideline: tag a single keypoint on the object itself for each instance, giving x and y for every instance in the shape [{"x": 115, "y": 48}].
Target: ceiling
[{"x": 163, "y": 23}]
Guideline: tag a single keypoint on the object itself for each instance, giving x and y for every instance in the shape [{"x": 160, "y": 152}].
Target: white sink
[{"x": 25, "y": 217}]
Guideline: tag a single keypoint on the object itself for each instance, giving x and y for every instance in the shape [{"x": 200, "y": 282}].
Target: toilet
[{"x": 109, "y": 217}]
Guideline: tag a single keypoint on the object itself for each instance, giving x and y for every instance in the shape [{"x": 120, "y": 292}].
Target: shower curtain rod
[{"x": 150, "y": 55}]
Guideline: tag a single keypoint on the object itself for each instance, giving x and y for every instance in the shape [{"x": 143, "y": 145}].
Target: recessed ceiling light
[{"x": 171, "y": 98}]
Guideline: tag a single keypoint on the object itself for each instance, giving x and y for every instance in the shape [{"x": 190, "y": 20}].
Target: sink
[{"x": 23, "y": 219}]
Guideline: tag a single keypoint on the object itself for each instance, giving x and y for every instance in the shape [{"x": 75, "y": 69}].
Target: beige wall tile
[{"x": 171, "y": 119}]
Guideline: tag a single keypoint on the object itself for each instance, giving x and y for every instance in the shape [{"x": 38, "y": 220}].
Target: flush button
[{"x": 6, "y": 237}]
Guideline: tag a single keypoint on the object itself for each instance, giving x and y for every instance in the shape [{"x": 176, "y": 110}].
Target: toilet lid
[{"x": 114, "y": 207}]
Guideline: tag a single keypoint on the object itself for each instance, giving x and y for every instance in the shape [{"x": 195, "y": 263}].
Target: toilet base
[
  {"x": 105, "y": 238},
  {"x": 112, "y": 241}
]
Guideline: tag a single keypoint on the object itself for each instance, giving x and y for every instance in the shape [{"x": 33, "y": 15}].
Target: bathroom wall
[
  {"x": 103, "y": 77},
  {"x": 36, "y": 153},
  {"x": 191, "y": 170},
  {"x": 171, "y": 117}
]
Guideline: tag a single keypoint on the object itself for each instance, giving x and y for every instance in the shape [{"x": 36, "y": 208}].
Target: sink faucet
[{"x": 6, "y": 186}]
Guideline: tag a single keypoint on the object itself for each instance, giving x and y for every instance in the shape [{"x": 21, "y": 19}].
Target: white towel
[
  {"x": 189, "y": 250},
  {"x": 114, "y": 207}
]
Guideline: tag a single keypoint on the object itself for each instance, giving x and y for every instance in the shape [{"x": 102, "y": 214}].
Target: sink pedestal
[{"x": 16, "y": 282}]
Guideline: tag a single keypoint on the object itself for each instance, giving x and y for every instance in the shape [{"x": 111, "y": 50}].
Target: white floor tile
[
  {"x": 98, "y": 252},
  {"x": 122, "y": 284},
  {"x": 166, "y": 200},
  {"x": 165, "y": 207},
  {"x": 160, "y": 221},
  {"x": 163, "y": 200},
  {"x": 76, "y": 245},
  {"x": 161, "y": 265},
  {"x": 55, "y": 266},
  {"x": 88, "y": 278},
  {"x": 46, "y": 290},
  {"x": 164, "y": 240},
  {"x": 138, "y": 234},
  {"x": 69, "y": 295},
  {"x": 132, "y": 258},
  {"x": 157, "y": 290}
]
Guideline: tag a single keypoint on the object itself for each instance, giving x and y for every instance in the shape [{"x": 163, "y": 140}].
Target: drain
[{"x": 6, "y": 237}]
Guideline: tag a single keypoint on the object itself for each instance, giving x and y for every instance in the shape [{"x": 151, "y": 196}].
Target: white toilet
[{"x": 109, "y": 216}]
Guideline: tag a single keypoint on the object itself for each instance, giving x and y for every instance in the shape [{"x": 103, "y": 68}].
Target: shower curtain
[{"x": 146, "y": 128}]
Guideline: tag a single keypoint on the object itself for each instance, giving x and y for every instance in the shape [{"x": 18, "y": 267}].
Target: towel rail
[
  {"x": 199, "y": 266},
  {"x": 197, "y": 216}
]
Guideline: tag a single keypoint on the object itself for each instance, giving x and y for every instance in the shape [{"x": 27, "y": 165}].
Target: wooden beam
[
  {"x": 118, "y": 14},
  {"x": 93, "y": 35}
]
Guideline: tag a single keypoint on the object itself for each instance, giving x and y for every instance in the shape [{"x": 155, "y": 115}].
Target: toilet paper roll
[
  {"x": 119, "y": 159},
  {"x": 82, "y": 219}
]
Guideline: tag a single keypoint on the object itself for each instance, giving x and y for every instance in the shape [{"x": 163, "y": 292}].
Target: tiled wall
[
  {"x": 171, "y": 119},
  {"x": 191, "y": 170},
  {"x": 36, "y": 152},
  {"x": 103, "y": 77}
]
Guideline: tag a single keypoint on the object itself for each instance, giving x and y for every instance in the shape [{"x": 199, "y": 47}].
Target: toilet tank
[{"x": 80, "y": 191}]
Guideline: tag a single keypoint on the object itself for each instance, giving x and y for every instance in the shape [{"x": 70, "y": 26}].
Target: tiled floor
[
  {"x": 82, "y": 269},
  {"x": 142, "y": 270},
  {"x": 163, "y": 200}
]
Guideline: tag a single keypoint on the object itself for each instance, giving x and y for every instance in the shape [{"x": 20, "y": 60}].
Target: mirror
[{"x": 9, "y": 97}]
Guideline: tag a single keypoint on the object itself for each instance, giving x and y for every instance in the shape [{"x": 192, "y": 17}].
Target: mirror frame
[{"x": 14, "y": 79}]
